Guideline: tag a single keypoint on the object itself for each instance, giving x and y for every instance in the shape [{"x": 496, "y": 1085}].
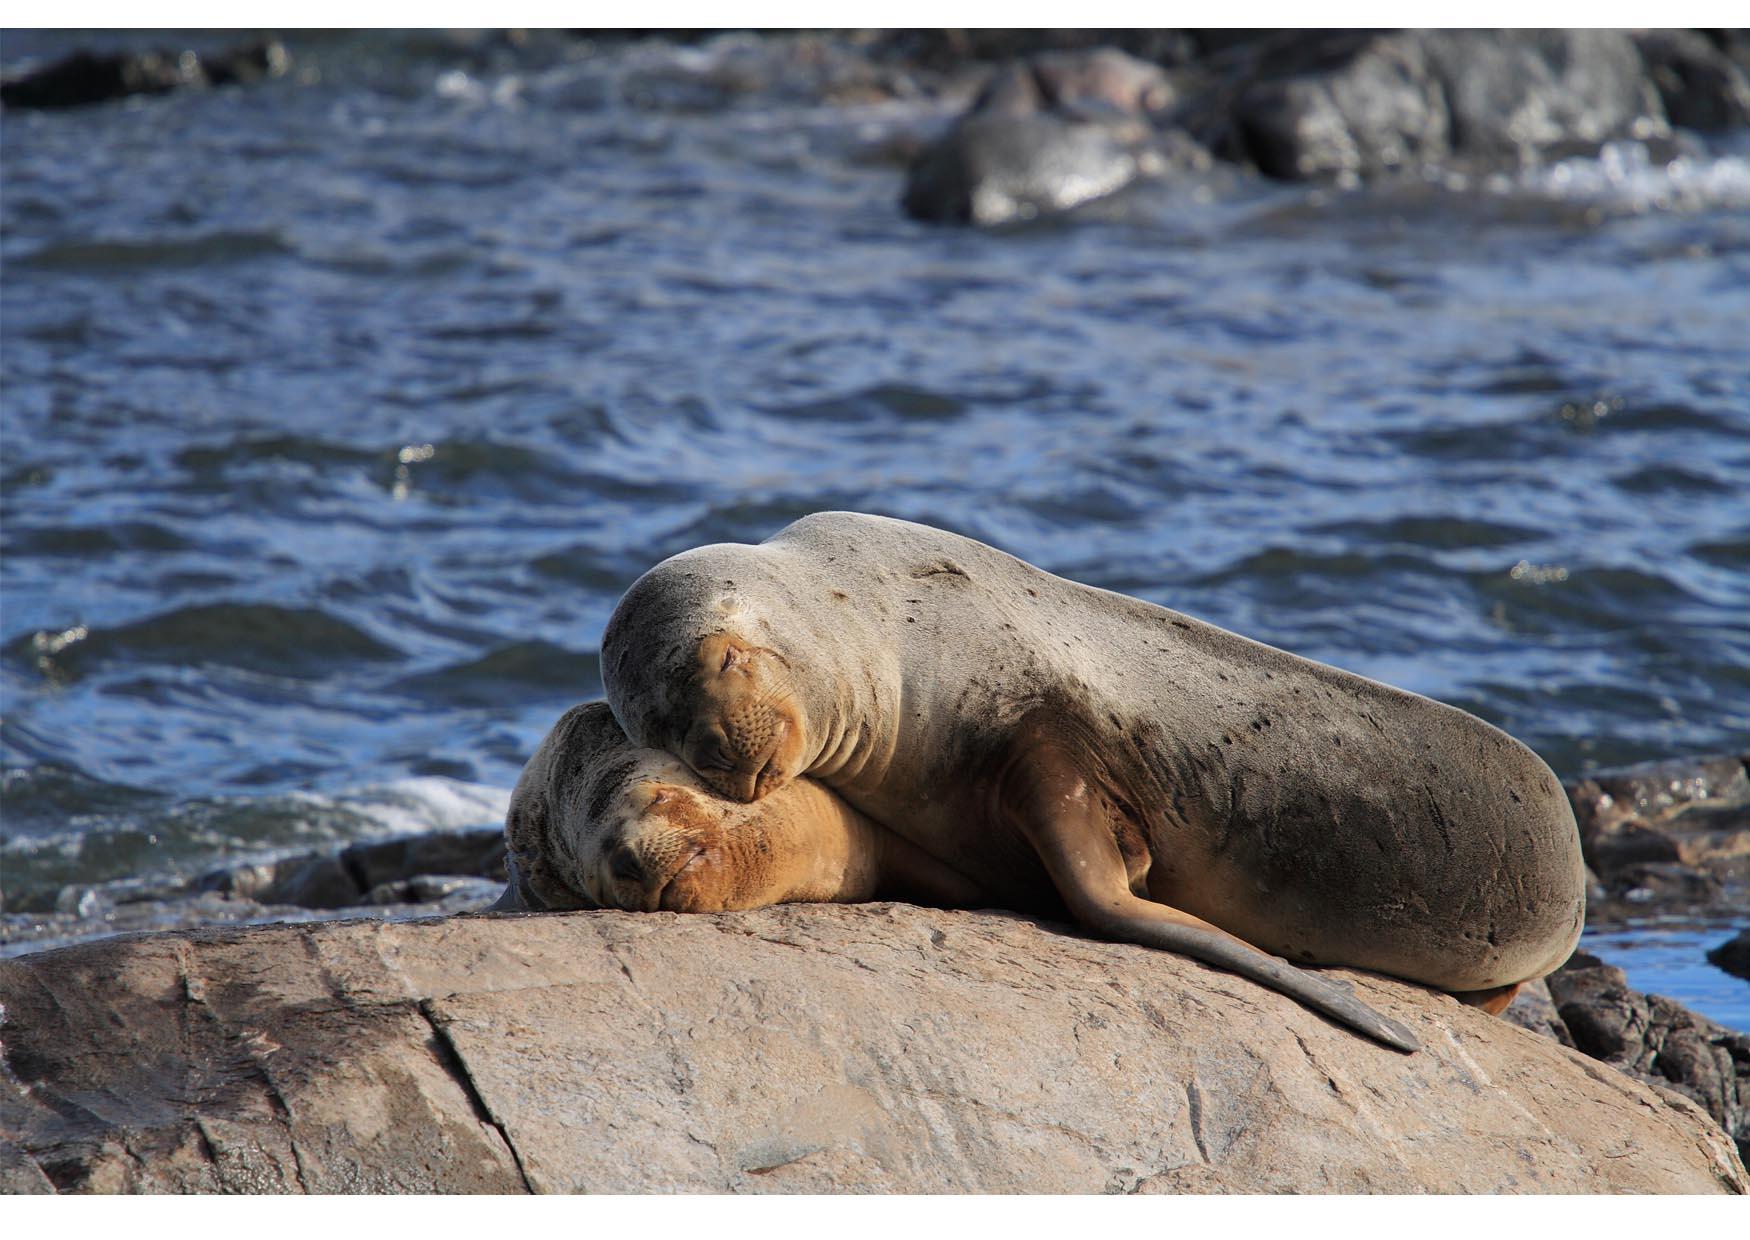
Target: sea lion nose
[{"x": 625, "y": 865}]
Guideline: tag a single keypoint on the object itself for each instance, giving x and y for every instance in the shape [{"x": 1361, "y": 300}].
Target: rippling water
[{"x": 338, "y": 413}]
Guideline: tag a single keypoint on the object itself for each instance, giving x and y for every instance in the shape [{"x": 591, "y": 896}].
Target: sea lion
[
  {"x": 1165, "y": 781},
  {"x": 595, "y": 822}
]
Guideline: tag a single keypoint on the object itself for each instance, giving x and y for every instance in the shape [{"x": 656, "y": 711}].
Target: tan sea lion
[
  {"x": 1165, "y": 781},
  {"x": 595, "y": 822}
]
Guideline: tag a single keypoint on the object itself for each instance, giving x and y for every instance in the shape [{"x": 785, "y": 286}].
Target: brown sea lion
[
  {"x": 1165, "y": 781},
  {"x": 596, "y": 822}
]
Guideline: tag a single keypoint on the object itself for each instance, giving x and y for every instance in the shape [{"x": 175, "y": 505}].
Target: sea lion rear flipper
[
  {"x": 1494, "y": 1000},
  {"x": 1056, "y": 811}
]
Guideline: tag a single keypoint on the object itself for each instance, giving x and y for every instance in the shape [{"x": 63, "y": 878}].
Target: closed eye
[{"x": 713, "y": 757}]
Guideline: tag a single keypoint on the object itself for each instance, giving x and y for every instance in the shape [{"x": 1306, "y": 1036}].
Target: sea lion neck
[{"x": 857, "y": 733}]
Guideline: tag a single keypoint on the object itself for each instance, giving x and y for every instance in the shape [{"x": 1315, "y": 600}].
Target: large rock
[{"x": 799, "y": 1048}]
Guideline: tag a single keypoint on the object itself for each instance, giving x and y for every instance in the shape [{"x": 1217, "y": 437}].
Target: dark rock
[
  {"x": 1655, "y": 789},
  {"x": 479, "y": 853},
  {"x": 1354, "y": 104},
  {"x": 1378, "y": 107},
  {"x": 1700, "y": 85},
  {"x": 19, "y": 1173},
  {"x": 439, "y": 872},
  {"x": 1301, "y": 105},
  {"x": 1733, "y": 955},
  {"x": 1656, "y": 1041},
  {"x": 383, "y": 871},
  {"x": 432, "y": 888},
  {"x": 1520, "y": 93},
  {"x": 1533, "y": 1009},
  {"x": 942, "y": 51},
  {"x": 1669, "y": 835},
  {"x": 321, "y": 882},
  {"x": 993, "y": 170},
  {"x": 87, "y": 77},
  {"x": 1048, "y": 134}
]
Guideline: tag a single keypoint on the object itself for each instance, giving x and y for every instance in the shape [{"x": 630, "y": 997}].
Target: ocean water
[{"x": 338, "y": 411}]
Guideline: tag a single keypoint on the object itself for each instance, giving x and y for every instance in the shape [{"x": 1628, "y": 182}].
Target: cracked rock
[{"x": 801, "y": 1048}]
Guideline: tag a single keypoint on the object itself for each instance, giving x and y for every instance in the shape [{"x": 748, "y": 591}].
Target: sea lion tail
[
  {"x": 1315, "y": 992},
  {"x": 1225, "y": 952}
]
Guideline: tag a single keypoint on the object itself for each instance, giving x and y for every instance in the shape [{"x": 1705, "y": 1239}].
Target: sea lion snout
[
  {"x": 653, "y": 839},
  {"x": 747, "y": 737}
]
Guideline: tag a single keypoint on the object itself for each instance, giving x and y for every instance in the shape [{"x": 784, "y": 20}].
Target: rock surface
[
  {"x": 1655, "y": 1040},
  {"x": 1666, "y": 837},
  {"x": 800, "y": 1048}
]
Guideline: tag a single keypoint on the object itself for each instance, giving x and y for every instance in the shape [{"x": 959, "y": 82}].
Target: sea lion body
[
  {"x": 1029, "y": 732},
  {"x": 596, "y": 822}
]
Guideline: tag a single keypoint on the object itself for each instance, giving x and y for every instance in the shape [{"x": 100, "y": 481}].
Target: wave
[
  {"x": 524, "y": 670},
  {"x": 100, "y": 256},
  {"x": 299, "y": 642},
  {"x": 150, "y": 842}
]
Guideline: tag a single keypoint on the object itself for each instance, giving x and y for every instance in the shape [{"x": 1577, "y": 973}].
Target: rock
[
  {"x": 1533, "y": 1009},
  {"x": 432, "y": 888},
  {"x": 1379, "y": 107},
  {"x": 1350, "y": 104},
  {"x": 1059, "y": 128},
  {"x": 995, "y": 170},
  {"x": 478, "y": 852},
  {"x": 1667, "y": 836},
  {"x": 798, "y": 1048},
  {"x": 1520, "y": 93},
  {"x": 1699, "y": 84},
  {"x": 1656, "y": 1041},
  {"x": 410, "y": 876},
  {"x": 1048, "y": 134},
  {"x": 88, "y": 77},
  {"x": 1733, "y": 955}
]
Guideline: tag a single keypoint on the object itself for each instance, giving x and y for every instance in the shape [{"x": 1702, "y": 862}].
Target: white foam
[
  {"x": 1625, "y": 175},
  {"x": 408, "y": 806}
]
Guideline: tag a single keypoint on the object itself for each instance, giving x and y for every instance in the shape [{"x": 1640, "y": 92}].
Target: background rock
[
  {"x": 1733, "y": 955},
  {"x": 91, "y": 77},
  {"x": 1666, "y": 836},
  {"x": 800, "y": 1048}
]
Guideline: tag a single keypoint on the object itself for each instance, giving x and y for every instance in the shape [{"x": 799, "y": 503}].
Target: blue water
[
  {"x": 338, "y": 411},
  {"x": 1669, "y": 957}
]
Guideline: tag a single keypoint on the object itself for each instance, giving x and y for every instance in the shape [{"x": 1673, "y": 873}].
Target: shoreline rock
[
  {"x": 1733, "y": 956},
  {"x": 1342, "y": 106},
  {"x": 1666, "y": 837},
  {"x": 1588, "y": 1004},
  {"x": 793, "y": 1049},
  {"x": 85, "y": 78}
]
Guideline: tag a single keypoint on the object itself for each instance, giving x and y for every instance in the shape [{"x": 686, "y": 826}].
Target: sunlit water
[{"x": 338, "y": 413}]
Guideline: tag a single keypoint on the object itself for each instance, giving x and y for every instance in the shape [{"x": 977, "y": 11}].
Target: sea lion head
[
  {"x": 705, "y": 657},
  {"x": 596, "y": 822}
]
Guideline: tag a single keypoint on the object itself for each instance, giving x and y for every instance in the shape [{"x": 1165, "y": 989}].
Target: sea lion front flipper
[{"x": 1056, "y": 811}]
